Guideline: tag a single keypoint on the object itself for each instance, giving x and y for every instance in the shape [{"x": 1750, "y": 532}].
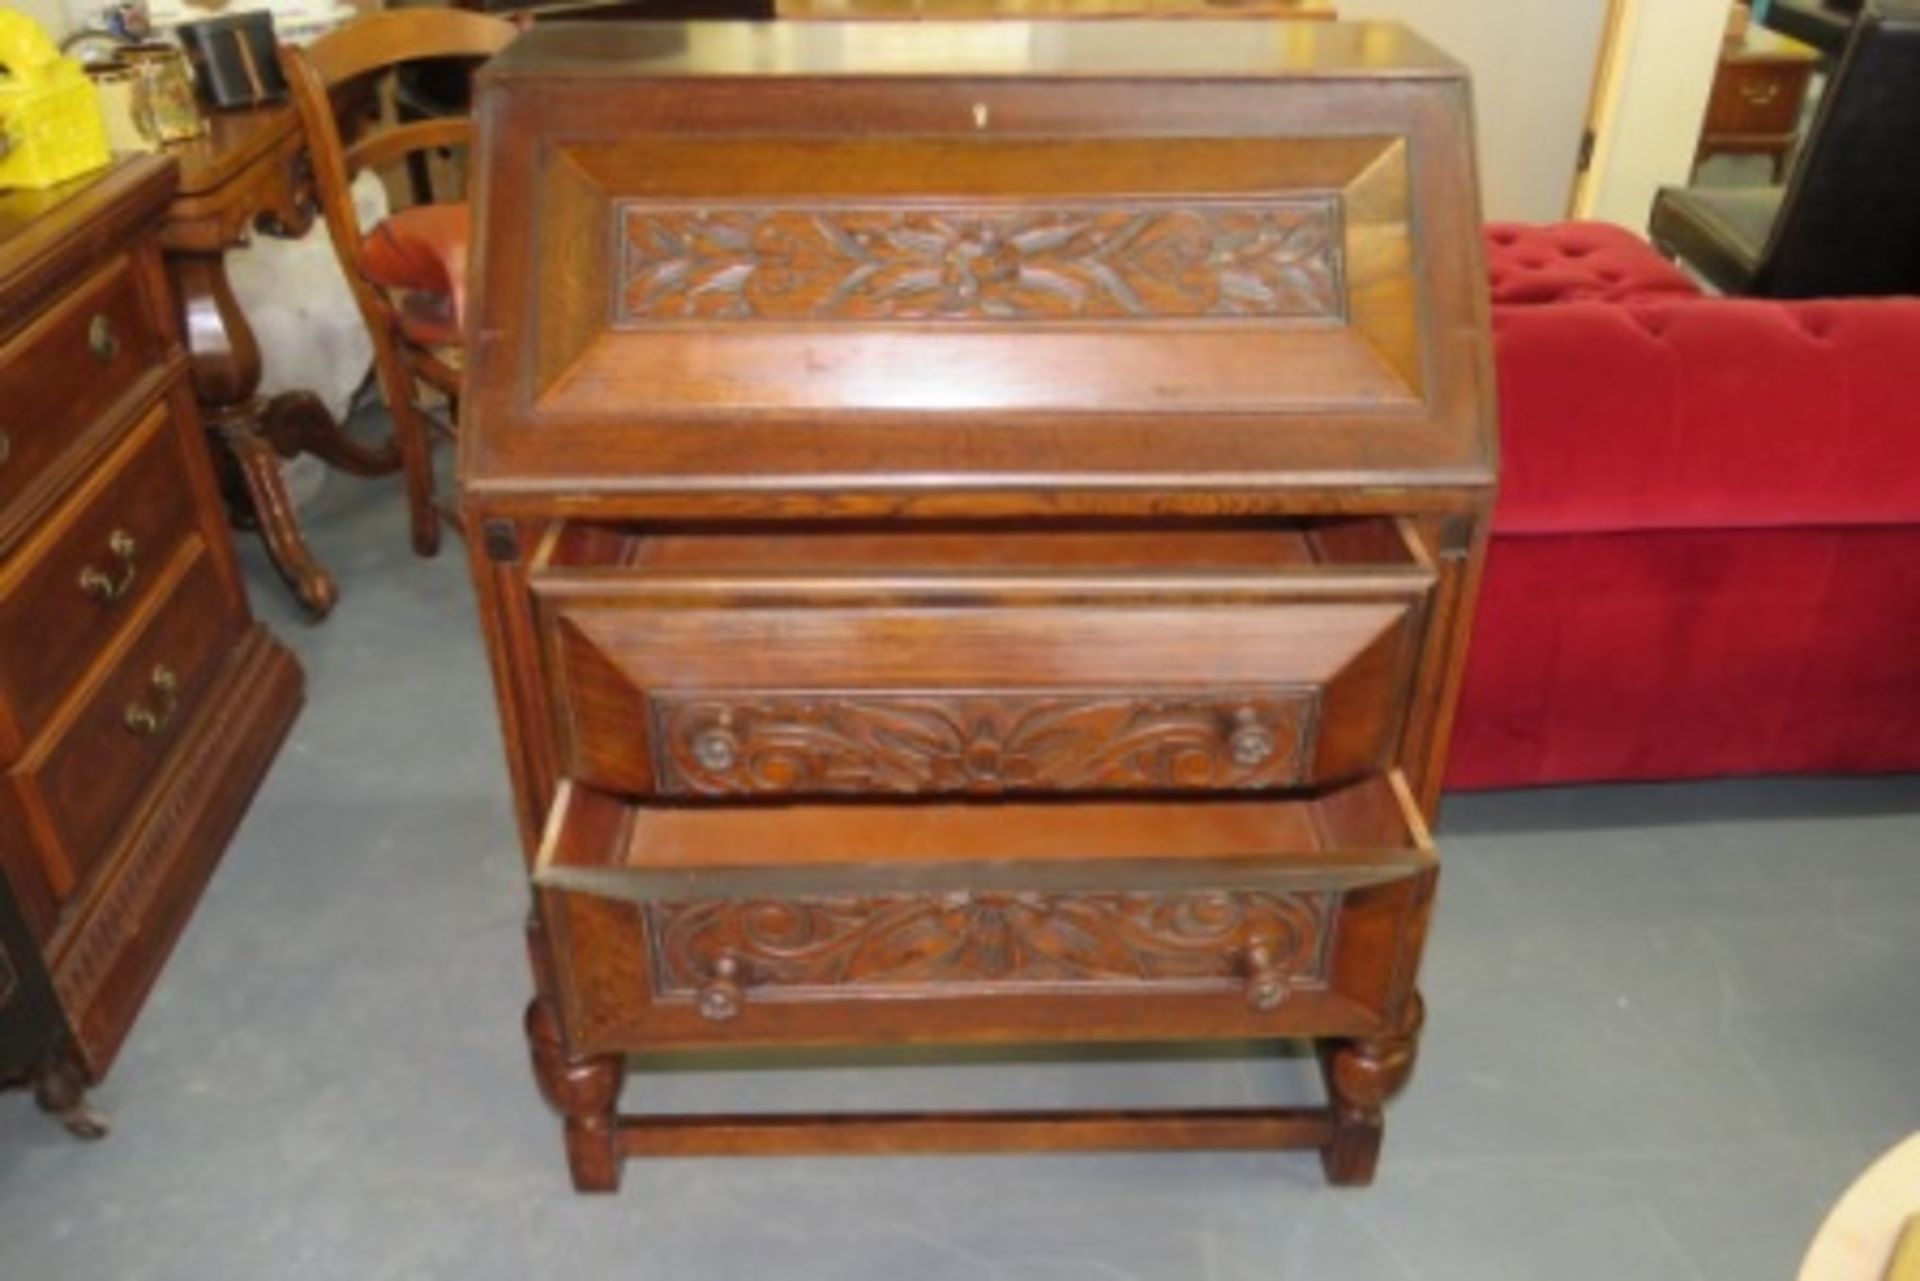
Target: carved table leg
[
  {"x": 257, "y": 465},
  {"x": 298, "y": 423},
  {"x": 584, "y": 1091},
  {"x": 60, "y": 1088},
  {"x": 1361, "y": 1075},
  {"x": 226, "y": 377}
]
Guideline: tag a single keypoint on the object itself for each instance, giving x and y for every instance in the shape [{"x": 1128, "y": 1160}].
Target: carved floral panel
[
  {"x": 943, "y": 742},
  {"x": 1273, "y": 258},
  {"x": 962, "y": 944}
]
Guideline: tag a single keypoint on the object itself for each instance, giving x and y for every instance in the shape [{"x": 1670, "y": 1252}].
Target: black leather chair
[
  {"x": 1847, "y": 223},
  {"x": 1824, "y": 24}
]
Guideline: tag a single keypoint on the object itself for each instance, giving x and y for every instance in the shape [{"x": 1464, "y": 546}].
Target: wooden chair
[{"x": 408, "y": 273}]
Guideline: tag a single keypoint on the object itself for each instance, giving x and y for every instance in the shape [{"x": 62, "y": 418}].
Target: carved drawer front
[
  {"x": 88, "y": 770},
  {"x": 88, "y": 572},
  {"x": 846, "y": 666},
  {"x": 67, "y": 368},
  {"x": 772, "y": 743},
  {"x": 717, "y": 922},
  {"x": 1264, "y": 946}
]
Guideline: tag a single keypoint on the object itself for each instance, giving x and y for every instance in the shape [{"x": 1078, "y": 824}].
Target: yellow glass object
[{"x": 51, "y": 128}]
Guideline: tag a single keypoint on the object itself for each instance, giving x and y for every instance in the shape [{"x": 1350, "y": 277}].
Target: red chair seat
[{"x": 419, "y": 255}]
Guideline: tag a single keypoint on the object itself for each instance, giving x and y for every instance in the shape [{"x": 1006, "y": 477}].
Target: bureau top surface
[
  {"x": 1215, "y": 49},
  {"x": 45, "y": 235},
  {"x": 782, "y": 267}
]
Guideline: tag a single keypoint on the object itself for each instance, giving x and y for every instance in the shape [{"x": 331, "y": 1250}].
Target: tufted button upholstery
[
  {"x": 419, "y": 255},
  {"x": 1720, "y": 413},
  {"x": 1577, "y": 262}
]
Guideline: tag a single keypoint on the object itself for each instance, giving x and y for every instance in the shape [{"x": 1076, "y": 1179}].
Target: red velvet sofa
[{"x": 1706, "y": 551}]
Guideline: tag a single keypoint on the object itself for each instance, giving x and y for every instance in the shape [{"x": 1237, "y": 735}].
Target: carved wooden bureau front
[{"x": 976, "y": 529}]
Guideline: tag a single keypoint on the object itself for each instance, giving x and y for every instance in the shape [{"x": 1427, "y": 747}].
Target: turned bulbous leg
[
  {"x": 1361, "y": 1075},
  {"x": 585, "y": 1091}
]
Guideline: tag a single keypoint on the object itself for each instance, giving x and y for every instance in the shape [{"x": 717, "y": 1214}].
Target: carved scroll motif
[
  {"x": 974, "y": 944},
  {"x": 1271, "y": 258},
  {"x": 764, "y": 743}
]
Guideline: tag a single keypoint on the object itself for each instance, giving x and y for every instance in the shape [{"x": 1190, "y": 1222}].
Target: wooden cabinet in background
[
  {"x": 976, "y": 540},
  {"x": 1759, "y": 95},
  {"x": 139, "y": 702}
]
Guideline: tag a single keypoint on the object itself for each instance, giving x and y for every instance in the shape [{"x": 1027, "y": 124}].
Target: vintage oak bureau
[
  {"x": 140, "y": 703},
  {"x": 976, "y": 528}
]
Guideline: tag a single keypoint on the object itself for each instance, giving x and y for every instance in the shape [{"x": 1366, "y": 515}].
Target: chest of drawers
[
  {"x": 1759, "y": 94},
  {"x": 139, "y": 701},
  {"x": 976, "y": 528}
]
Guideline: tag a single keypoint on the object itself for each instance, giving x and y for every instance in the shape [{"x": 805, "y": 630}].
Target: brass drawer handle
[
  {"x": 144, "y": 721},
  {"x": 721, "y": 996},
  {"x": 1759, "y": 95},
  {"x": 102, "y": 341},
  {"x": 103, "y": 586},
  {"x": 1266, "y": 987},
  {"x": 1251, "y": 743}
]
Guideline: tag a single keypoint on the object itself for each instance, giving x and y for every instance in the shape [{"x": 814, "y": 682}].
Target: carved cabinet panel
[{"x": 1088, "y": 262}]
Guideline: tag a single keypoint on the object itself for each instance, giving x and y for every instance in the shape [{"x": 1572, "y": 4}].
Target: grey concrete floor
[{"x": 1667, "y": 1026}]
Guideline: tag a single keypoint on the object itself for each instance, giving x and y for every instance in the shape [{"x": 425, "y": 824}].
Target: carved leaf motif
[
  {"x": 824, "y": 946},
  {"x": 938, "y": 742},
  {"x": 1272, "y": 258}
]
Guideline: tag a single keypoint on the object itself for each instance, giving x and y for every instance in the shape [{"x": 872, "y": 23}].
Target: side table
[
  {"x": 249, "y": 173},
  {"x": 1758, "y": 95}
]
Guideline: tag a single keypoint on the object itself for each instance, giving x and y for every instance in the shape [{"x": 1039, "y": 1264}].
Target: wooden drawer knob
[
  {"x": 102, "y": 340},
  {"x": 1266, "y": 982},
  {"x": 144, "y": 720},
  {"x": 721, "y": 996},
  {"x": 1251, "y": 742},
  {"x": 103, "y": 585},
  {"x": 716, "y": 749}
]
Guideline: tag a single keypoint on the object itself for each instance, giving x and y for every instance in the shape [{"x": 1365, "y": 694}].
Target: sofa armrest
[{"x": 1710, "y": 413}]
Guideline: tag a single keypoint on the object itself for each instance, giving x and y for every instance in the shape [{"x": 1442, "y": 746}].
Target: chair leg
[{"x": 415, "y": 439}]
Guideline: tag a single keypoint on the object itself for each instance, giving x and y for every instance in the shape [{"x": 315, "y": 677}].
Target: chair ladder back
[{"x": 397, "y": 142}]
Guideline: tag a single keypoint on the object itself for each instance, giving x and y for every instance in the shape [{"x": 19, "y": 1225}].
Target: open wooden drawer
[
  {"x": 821, "y": 661},
  {"x": 1090, "y": 920}
]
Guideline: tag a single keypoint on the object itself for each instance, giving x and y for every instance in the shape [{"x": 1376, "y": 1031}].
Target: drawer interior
[
  {"x": 1372, "y": 545},
  {"x": 600, "y": 843}
]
